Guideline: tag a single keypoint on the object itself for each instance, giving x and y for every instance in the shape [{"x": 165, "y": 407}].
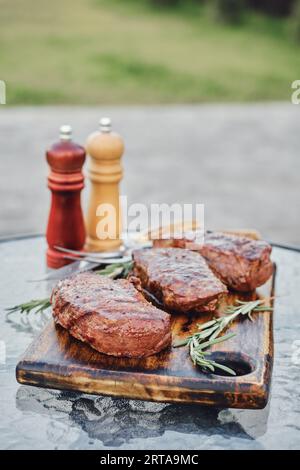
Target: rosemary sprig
[
  {"x": 199, "y": 357},
  {"x": 39, "y": 305},
  {"x": 116, "y": 270},
  {"x": 209, "y": 333}
]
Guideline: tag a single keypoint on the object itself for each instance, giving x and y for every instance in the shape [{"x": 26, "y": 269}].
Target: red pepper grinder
[{"x": 65, "y": 224}]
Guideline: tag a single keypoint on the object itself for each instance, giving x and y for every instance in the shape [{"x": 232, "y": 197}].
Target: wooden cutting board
[{"x": 57, "y": 360}]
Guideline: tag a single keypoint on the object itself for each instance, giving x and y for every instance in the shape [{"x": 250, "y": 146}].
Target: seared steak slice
[
  {"x": 180, "y": 279},
  {"x": 111, "y": 316},
  {"x": 241, "y": 263}
]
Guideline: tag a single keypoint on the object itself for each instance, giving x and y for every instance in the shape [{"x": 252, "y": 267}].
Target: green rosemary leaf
[
  {"x": 208, "y": 333},
  {"x": 127, "y": 268},
  {"x": 39, "y": 305},
  {"x": 116, "y": 270},
  {"x": 182, "y": 342},
  {"x": 209, "y": 343},
  {"x": 263, "y": 309},
  {"x": 225, "y": 368},
  {"x": 112, "y": 271},
  {"x": 206, "y": 325}
]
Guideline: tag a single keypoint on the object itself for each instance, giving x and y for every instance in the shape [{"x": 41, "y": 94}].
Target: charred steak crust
[
  {"x": 111, "y": 316},
  {"x": 241, "y": 263},
  {"x": 178, "y": 278}
]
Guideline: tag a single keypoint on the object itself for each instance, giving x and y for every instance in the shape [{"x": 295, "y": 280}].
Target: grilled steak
[
  {"x": 241, "y": 263},
  {"x": 180, "y": 279},
  {"x": 111, "y": 316}
]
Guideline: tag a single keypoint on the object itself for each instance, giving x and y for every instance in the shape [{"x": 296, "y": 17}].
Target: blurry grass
[{"x": 127, "y": 51}]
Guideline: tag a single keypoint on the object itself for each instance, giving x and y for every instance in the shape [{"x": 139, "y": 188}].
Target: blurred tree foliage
[
  {"x": 231, "y": 11},
  {"x": 295, "y": 22},
  {"x": 228, "y": 11},
  {"x": 165, "y": 3},
  {"x": 273, "y": 7}
]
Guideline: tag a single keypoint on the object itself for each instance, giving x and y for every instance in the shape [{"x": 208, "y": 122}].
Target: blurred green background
[{"x": 148, "y": 51}]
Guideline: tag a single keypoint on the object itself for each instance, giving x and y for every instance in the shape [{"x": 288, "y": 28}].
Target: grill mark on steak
[
  {"x": 178, "y": 278},
  {"x": 111, "y": 316},
  {"x": 243, "y": 264}
]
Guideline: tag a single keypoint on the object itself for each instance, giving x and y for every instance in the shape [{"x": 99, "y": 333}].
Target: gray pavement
[{"x": 241, "y": 161}]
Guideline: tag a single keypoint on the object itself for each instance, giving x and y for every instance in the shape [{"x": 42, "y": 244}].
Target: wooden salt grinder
[
  {"x": 105, "y": 172},
  {"x": 65, "y": 224}
]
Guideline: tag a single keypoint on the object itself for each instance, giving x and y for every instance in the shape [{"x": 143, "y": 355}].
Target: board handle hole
[{"x": 242, "y": 364}]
